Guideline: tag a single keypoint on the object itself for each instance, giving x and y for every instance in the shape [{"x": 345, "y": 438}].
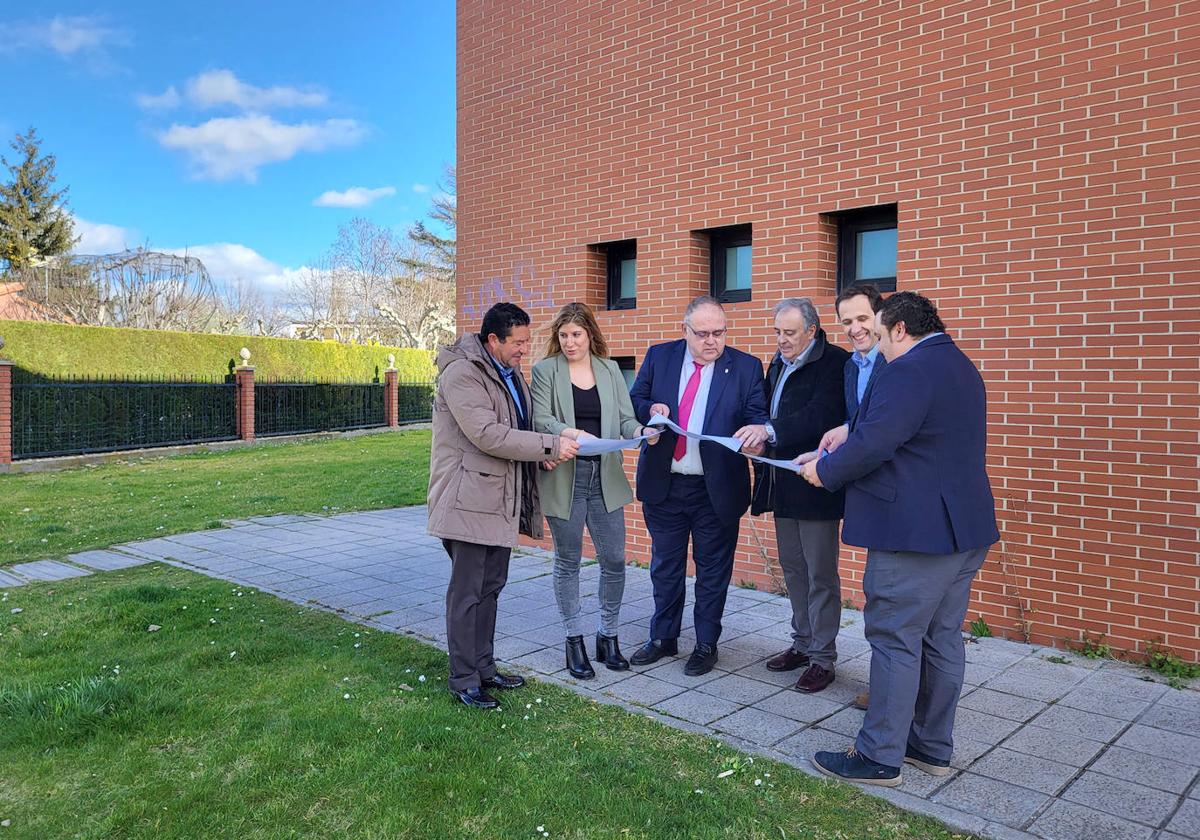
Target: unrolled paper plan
[
  {"x": 730, "y": 443},
  {"x": 598, "y": 446}
]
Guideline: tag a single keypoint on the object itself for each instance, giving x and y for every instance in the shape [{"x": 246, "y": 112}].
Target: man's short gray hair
[
  {"x": 697, "y": 302},
  {"x": 808, "y": 312}
]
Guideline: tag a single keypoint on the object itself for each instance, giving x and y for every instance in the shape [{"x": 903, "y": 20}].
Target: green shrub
[{"x": 41, "y": 350}]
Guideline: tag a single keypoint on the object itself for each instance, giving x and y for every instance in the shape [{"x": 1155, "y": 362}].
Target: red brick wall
[{"x": 1045, "y": 162}]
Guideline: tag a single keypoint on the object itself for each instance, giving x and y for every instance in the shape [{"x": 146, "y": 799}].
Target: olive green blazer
[{"x": 554, "y": 410}]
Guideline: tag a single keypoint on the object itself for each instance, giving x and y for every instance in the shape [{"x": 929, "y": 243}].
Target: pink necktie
[{"x": 685, "y": 409}]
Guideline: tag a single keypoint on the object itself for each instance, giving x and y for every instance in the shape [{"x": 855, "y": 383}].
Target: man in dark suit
[
  {"x": 803, "y": 389},
  {"x": 695, "y": 489},
  {"x": 918, "y": 499}
]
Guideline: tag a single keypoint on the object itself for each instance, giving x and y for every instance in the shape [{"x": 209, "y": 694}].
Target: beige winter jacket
[{"x": 476, "y": 475}]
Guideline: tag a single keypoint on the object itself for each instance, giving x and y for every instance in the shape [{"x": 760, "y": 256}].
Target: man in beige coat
[{"x": 482, "y": 492}]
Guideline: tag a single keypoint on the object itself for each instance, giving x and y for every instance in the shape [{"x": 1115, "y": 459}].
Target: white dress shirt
[{"x": 691, "y": 463}]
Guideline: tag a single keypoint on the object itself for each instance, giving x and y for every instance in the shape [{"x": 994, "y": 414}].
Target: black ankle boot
[
  {"x": 608, "y": 651},
  {"x": 577, "y": 659}
]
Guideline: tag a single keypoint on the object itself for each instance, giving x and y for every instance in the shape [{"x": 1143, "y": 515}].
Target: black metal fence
[
  {"x": 415, "y": 401},
  {"x": 53, "y": 417},
  {"x": 68, "y": 417},
  {"x": 289, "y": 408}
]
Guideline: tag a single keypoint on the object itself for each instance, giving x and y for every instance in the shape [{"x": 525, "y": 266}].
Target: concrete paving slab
[
  {"x": 1069, "y": 821},
  {"x": 1080, "y": 723},
  {"x": 1002, "y": 705},
  {"x": 1046, "y": 743},
  {"x": 1186, "y": 821},
  {"x": 47, "y": 570},
  {"x": 1000, "y": 801},
  {"x": 1129, "y": 801},
  {"x": 1177, "y": 746},
  {"x": 1132, "y": 766},
  {"x": 741, "y": 690},
  {"x": 1040, "y": 774},
  {"x": 106, "y": 561},
  {"x": 7, "y": 580},
  {"x": 757, "y": 726}
]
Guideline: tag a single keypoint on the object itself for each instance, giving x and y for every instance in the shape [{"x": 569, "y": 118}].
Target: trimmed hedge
[{"x": 60, "y": 350}]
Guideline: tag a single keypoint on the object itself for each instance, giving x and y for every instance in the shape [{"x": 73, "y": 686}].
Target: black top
[{"x": 587, "y": 413}]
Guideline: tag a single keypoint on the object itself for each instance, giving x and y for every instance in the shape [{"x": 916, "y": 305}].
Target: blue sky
[{"x": 245, "y": 132}]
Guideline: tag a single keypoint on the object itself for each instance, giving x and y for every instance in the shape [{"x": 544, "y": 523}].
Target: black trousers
[
  {"x": 478, "y": 573},
  {"x": 687, "y": 512}
]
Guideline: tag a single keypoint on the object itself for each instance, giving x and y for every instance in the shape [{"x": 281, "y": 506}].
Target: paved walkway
[{"x": 1045, "y": 748}]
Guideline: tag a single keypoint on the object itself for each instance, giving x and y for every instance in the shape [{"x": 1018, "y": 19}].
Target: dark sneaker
[
  {"x": 789, "y": 660},
  {"x": 853, "y": 766},
  {"x": 923, "y": 761}
]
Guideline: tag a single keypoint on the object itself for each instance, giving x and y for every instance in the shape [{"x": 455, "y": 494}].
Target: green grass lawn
[
  {"x": 56, "y": 513},
  {"x": 246, "y": 716}
]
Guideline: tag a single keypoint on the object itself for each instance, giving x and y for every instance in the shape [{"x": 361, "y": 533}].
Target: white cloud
[
  {"x": 99, "y": 238},
  {"x": 352, "y": 197},
  {"x": 70, "y": 36},
  {"x": 232, "y": 147},
  {"x": 164, "y": 101},
  {"x": 420, "y": 188},
  {"x": 222, "y": 87},
  {"x": 228, "y": 262}
]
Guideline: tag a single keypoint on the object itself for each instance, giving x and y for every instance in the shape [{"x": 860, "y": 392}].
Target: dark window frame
[
  {"x": 626, "y": 363},
  {"x": 721, "y": 240},
  {"x": 614, "y": 254},
  {"x": 850, "y": 224}
]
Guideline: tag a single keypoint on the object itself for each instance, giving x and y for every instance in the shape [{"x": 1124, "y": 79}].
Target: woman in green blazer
[{"x": 578, "y": 391}]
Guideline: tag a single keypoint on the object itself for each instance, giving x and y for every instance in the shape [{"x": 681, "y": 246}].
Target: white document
[
  {"x": 730, "y": 443},
  {"x": 599, "y": 446}
]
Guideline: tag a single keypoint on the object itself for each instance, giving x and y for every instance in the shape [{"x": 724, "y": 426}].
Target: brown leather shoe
[
  {"x": 861, "y": 700},
  {"x": 789, "y": 660},
  {"x": 814, "y": 679}
]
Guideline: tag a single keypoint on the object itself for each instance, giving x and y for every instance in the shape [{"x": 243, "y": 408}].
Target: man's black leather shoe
[
  {"x": 654, "y": 650},
  {"x": 702, "y": 660},
  {"x": 503, "y": 681},
  {"x": 476, "y": 698},
  {"x": 789, "y": 660}
]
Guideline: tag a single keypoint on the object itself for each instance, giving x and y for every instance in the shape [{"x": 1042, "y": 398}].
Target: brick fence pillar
[
  {"x": 5, "y": 412},
  {"x": 391, "y": 393},
  {"x": 244, "y": 376}
]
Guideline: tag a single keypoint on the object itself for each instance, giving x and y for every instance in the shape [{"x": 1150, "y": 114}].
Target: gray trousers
[
  {"x": 808, "y": 555},
  {"x": 916, "y": 604},
  {"x": 477, "y": 574},
  {"x": 608, "y": 536}
]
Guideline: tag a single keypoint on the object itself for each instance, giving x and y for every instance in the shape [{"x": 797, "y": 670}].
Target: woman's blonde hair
[{"x": 581, "y": 314}]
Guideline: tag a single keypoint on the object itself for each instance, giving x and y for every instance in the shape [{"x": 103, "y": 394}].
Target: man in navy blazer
[
  {"x": 695, "y": 489},
  {"x": 918, "y": 499}
]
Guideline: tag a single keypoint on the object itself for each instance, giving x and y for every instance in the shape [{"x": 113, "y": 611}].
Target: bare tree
[
  {"x": 242, "y": 310},
  {"x": 143, "y": 289},
  {"x": 377, "y": 285}
]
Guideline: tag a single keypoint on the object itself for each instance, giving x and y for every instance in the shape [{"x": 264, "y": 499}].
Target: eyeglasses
[{"x": 704, "y": 335}]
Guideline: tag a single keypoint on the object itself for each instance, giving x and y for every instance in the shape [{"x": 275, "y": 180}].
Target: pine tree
[{"x": 34, "y": 222}]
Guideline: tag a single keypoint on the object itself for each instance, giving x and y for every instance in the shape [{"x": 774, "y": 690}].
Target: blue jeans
[{"x": 608, "y": 536}]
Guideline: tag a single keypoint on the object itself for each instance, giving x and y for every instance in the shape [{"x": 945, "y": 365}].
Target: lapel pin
[{"x": 727, "y": 370}]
